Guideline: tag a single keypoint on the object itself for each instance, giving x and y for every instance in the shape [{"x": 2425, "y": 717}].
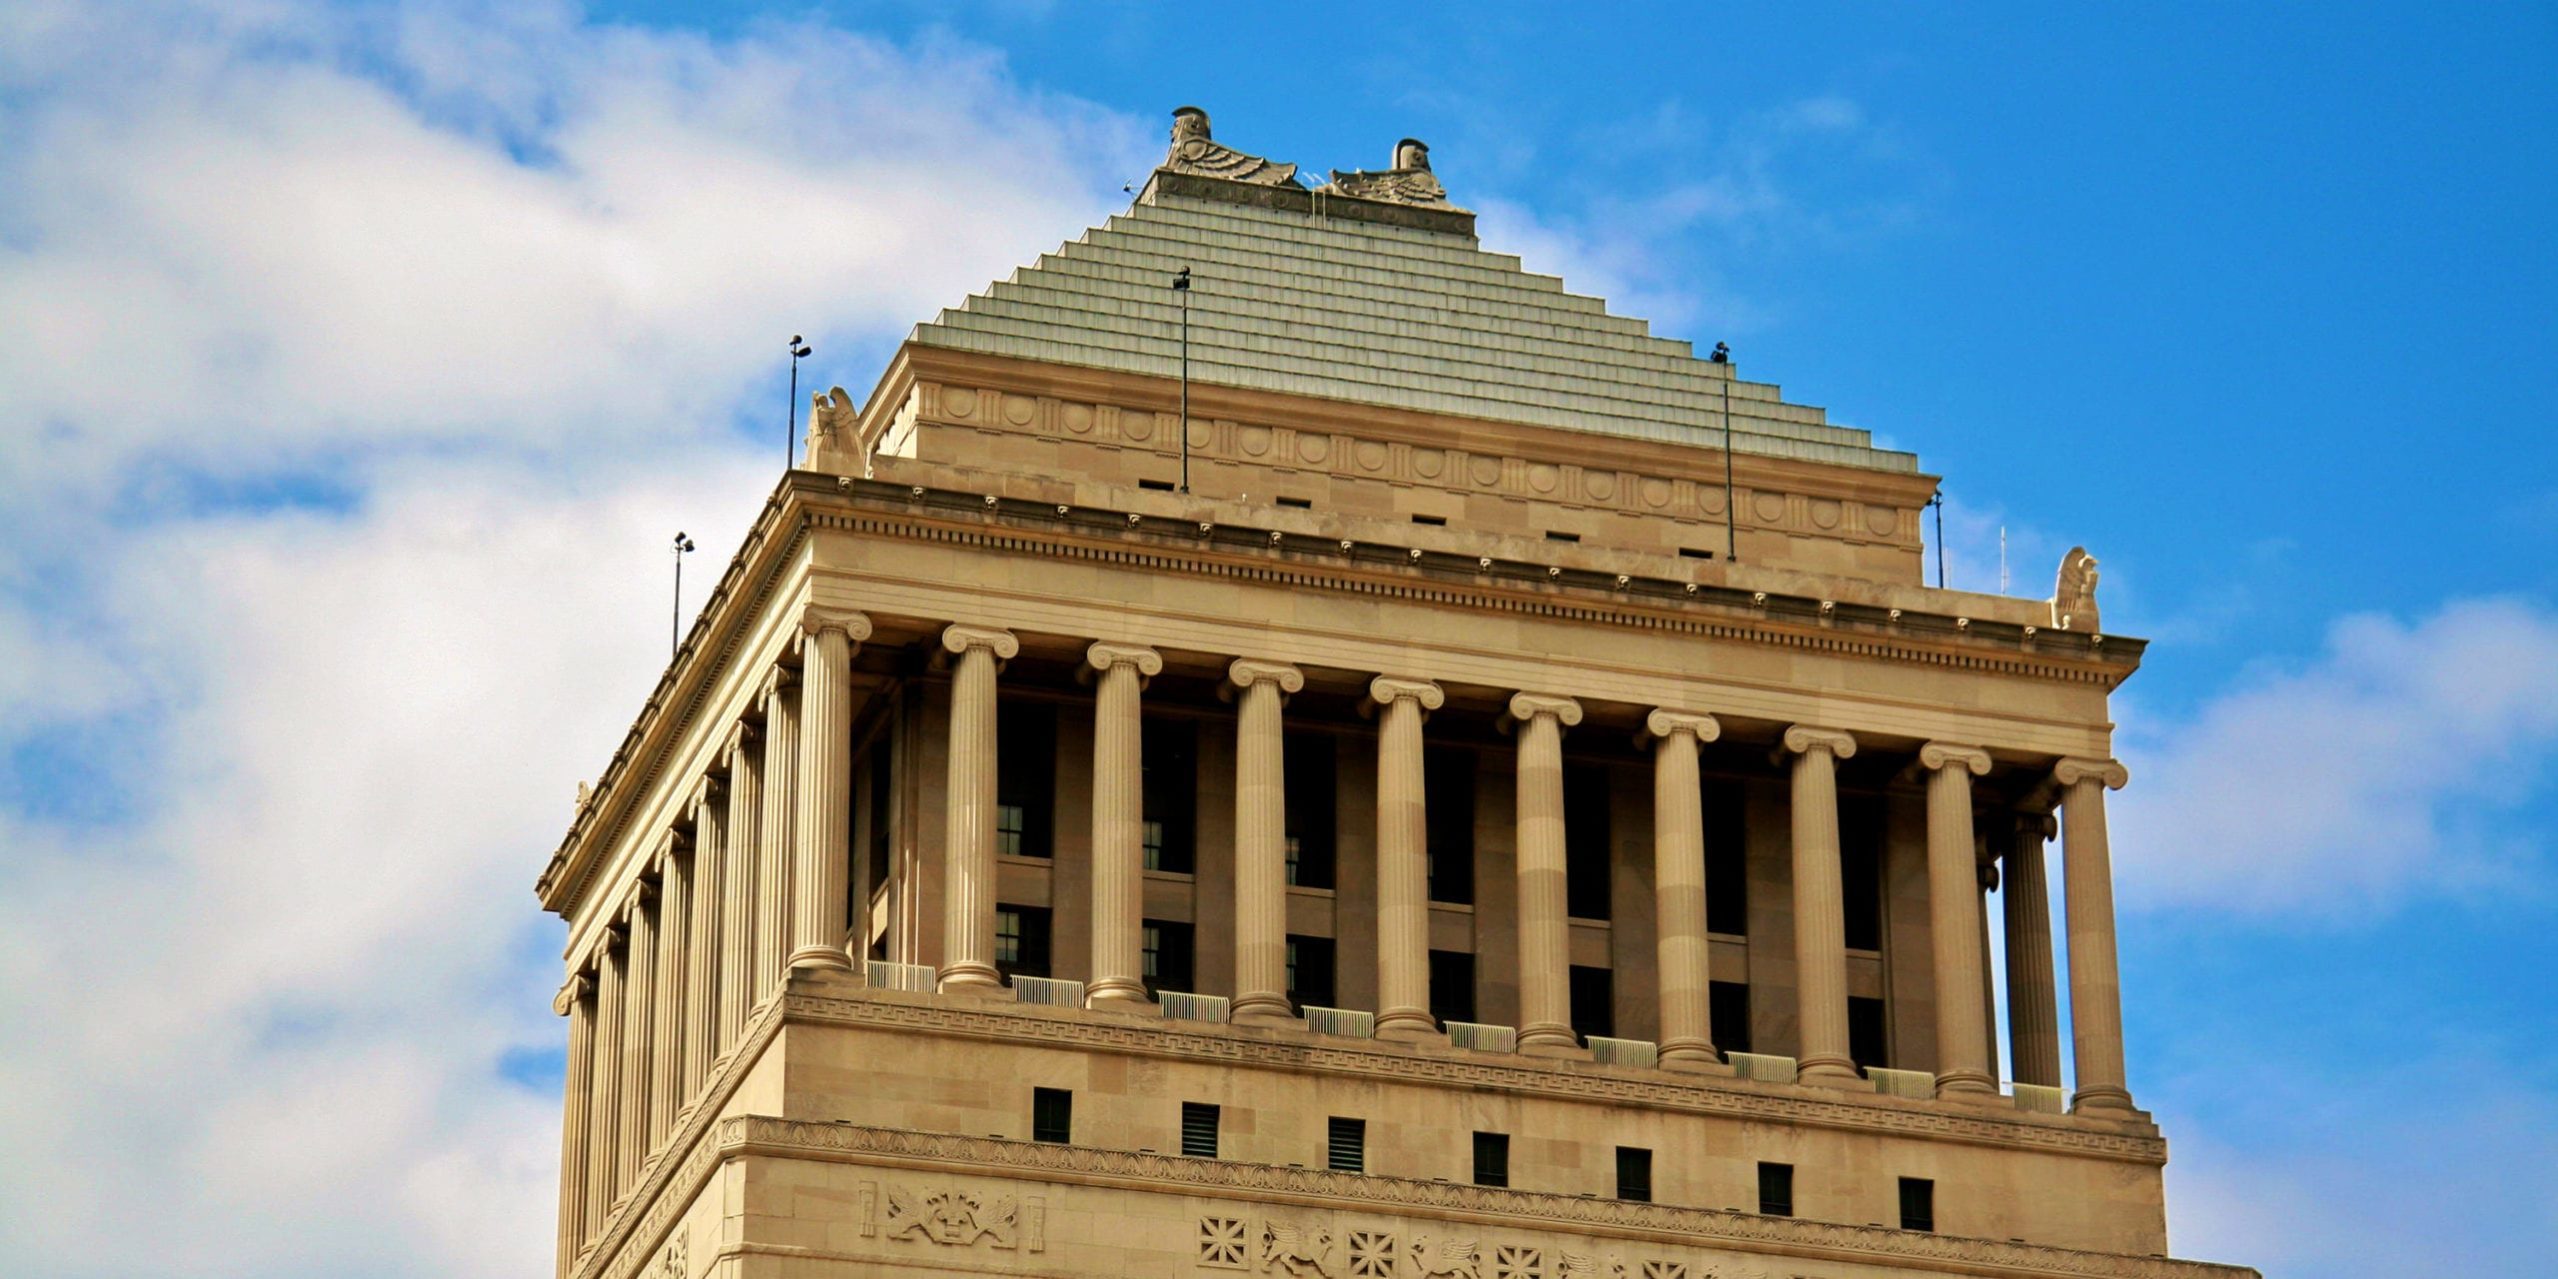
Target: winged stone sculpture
[
  {"x": 2074, "y": 595},
  {"x": 1408, "y": 182},
  {"x": 1194, "y": 151}
]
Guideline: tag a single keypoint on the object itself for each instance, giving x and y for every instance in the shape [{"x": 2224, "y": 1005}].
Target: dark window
[
  {"x": 1695, "y": 554},
  {"x": 1199, "y": 1129},
  {"x": 1160, "y": 486},
  {"x": 1348, "y": 1151},
  {"x": 1492, "y": 1159},
  {"x": 1310, "y": 971},
  {"x": 1021, "y": 941},
  {"x": 1552, "y": 536},
  {"x": 1866, "y": 1038},
  {"x": 1171, "y": 753},
  {"x": 1918, "y": 1203},
  {"x": 882, "y": 804},
  {"x": 1634, "y": 1173},
  {"x": 1448, "y": 781},
  {"x": 1588, "y": 856},
  {"x": 1311, "y": 809},
  {"x": 1727, "y": 859},
  {"x": 1593, "y": 1001},
  {"x": 1861, "y": 870},
  {"x": 1776, "y": 1189},
  {"x": 1301, "y": 503},
  {"x": 1166, "y": 949},
  {"x": 1728, "y": 1012},
  {"x": 1025, "y": 779},
  {"x": 1430, "y": 519},
  {"x": 1052, "y": 1115},
  {"x": 1451, "y": 985}
]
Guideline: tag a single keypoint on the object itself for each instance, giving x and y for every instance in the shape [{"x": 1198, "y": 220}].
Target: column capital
[
  {"x": 671, "y": 845},
  {"x": 1665, "y": 722},
  {"x": 2041, "y": 826},
  {"x": 1386, "y": 690},
  {"x": 1804, "y": 738},
  {"x": 815, "y": 620},
  {"x": 1105, "y": 655},
  {"x": 2072, "y": 771},
  {"x": 708, "y": 789},
  {"x": 1527, "y": 706},
  {"x": 1939, "y": 755},
  {"x": 576, "y": 988},
  {"x": 740, "y": 736},
  {"x": 959, "y": 638},
  {"x": 1247, "y": 672},
  {"x": 642, "y": 893},
  {"x": 778, "y": 679}
]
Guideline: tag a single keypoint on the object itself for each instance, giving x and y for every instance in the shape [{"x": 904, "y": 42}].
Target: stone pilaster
[
  {"x": 1261, "y": 841},
  {"x": 1403, "y": 849},
  {"x": 639, "y": 1030},
  {"x": 576, "y": 1001},
  {"x": 604, "y": 1107},
  {"x": 1678, "y": 887},
  {"x": 742, "y": 759},
  {"x": 823, "y": 832},
  {"x": 702, "y": 935},
  {"x": 2033, "y": 1017},
  {"x": 1820, "y": 922},
  {"x": 1118, "y": 823},
  {"x": 968, "y": 876},
  {"x": 1954, "y": 920},
  {"x": 1545, "y": 942},
  {"x": 2095, "y": 986},
  {"x": 668, "y": 1010},
  {"x": 776, "y": 851}
]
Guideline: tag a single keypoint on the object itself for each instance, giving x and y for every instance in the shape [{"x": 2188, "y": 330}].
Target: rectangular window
[
  {"x": 1452, "y": 985},
  {"x": 1159, "y": 486},
  {"x": 1553, "y": 536},
  {"x": 1861, "y": 870},
  {"x": 1025, "y": 778},
  {"x": 1199, "y": 1129},
  {"x": 1867, "y": 1043},
  {"x": 1728, "y": 1011},
  {"x": 1634, "y": 1174},
  {"x": 1588, "y": 855},
  {"x": 1918, "y": 1203},
  {"x": 1310, "y": 971},
  {"x": 1021, "y": 941},
  {"x": 1167, "y": 949},
  {"x": 1348, "y": 1150},
  {"x": 1776, "y": 1189},
  {"x": 1170, "y": 750},
  {"x": 1312, "y": 808},
  {"x": 1052, "y": 1115},
  {"x": 1301, "y": 503},
  {"x": 1727, "y": 859},
  {"x": 1440, "y": 520},
  {"x": 1695, "y": 553},
  {"x": 1448, "y": 782},
  {"x": 1492, "y": 1159},
  {"x": 1594, "y": 1004}
]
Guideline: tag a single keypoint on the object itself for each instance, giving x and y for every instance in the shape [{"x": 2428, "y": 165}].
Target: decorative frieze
[{"x": 952, "y": 1216}]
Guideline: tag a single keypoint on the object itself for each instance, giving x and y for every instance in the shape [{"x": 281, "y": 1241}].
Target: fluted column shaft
[
  {"x": 1545, "y": 942},
  {"x": 702, "y": 938},
  {"x": 668, "y": 1010},
  {"x": 1118, "y": 823},
  {"x": 2033, "y": 1017},
  {"x": 823, "y": 833},
  {"x": 639, "y": 993},
  {"x": 742, "y": 861},
  {"x": 1955, "y": 920},
  {"x": 1678, "y": 887},
  {"x": 1820, "y": 922},
  {"x": 1261, "y": 840},
  {"x": 777, "y": 850},
  {"x": 968, "y": 876},
  {"x": 2095, "y": 989},
  {"x": 577, "y": 1000},
  {"x": 1403, "y": 849},
  {"x": 604, "y": 1108}
]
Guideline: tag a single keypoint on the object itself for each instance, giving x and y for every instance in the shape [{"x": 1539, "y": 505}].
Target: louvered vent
[
  {"x": 1181, "y": 1005},
  {"x": 1762, "y": 1067},
  {"x": 912, "y": 978}
]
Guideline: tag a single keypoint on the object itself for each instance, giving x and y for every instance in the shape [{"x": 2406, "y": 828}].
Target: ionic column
[
  {"x": 1955, "y": 921},
  {"x": 823, "y": 831},
  {"x": 604, "y": 1108},
  {"x": 2095, "y": 986},
  {"x": 576, "y": 1001},
  {"x": 1678, "y": 887},
  {"x": 2033, "y": 1019},
  {"x": 703, "y": 995},
  {"x": 1403, "y": 868},
  {"x": 742, "y": 758},
  {"x": 778, "y": 848},
  {"x": 1545, "y": 940},
  {"x": 968, "y": 876},
  {"x": 1820, "y": 922},
  {"x": 1118, "y": 824},
  {"x": 667, "y": 1010},
  {"x": 1261, "y": 841},
  {"x": 639, "y": 992}
]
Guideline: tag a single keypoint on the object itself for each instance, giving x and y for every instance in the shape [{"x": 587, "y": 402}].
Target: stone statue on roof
[
  {"x": 834, "y": 427},
  {"x": 1194, "y": 151},
  {"x": 2074, "y": 594},
  {"x": 1408, "y": 182}
]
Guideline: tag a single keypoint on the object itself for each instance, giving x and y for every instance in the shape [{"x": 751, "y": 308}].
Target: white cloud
[{"x": 2376, "y": 770}]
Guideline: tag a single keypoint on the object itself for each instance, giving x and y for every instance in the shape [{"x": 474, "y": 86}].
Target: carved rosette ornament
[
  {"x": 1410, "y": 181},
  {"x": 1194, "y": 152}
]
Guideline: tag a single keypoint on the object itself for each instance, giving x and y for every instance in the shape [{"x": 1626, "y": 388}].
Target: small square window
[
  {"x": 1009, "y": 820},
  {"x": 1634, "y": 1173},
  {"x": 1918, "y": 1203},
  {"x": 1052, "y": 1115},
  {"x": 1492, "y": 1159},
  {"x": 1776, "y": 1189},
  {"x": 1348, "y": 1148}
]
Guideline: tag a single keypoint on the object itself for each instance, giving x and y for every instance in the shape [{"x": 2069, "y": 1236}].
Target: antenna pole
[
  {"x": 790, "y": 407},
  {"x": 1731, "y": 517},
  {"x": 1938, "y": 502},
  {"x": 675, "y": 615},
  {"x": 1181, "y": 285}
]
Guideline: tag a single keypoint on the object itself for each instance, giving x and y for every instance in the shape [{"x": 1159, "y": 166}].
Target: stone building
[{"x": 1276, "y": 741}]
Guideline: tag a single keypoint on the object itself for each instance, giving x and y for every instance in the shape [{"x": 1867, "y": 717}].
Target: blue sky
[{"x": 361, "y": 358}]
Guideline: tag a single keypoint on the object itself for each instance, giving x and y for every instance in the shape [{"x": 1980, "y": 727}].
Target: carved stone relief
[
  {"x": 1302, "y": 1245},
  {"x": 952, "y": 1216},
  {"x": 1297, "y": 1248}
]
